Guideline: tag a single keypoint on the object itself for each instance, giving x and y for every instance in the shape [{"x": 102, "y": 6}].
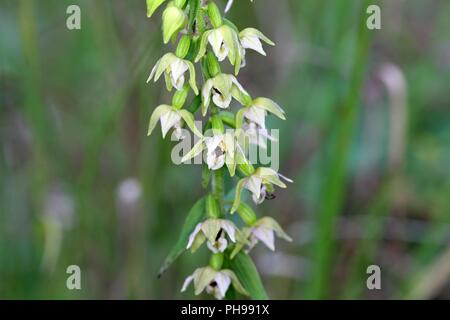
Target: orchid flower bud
[
  {"x": 246, "y": 213},
  {"x": 174, "y": 19},
  {"x": 183, "y": 46},
  {"x": 214, "y": 15}
]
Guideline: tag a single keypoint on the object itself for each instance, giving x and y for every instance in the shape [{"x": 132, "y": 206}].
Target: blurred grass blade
[
  {"x": 248, "y": 275},
  {"x": 194, "y": 216},
  {"x": 333, "y": 189}
]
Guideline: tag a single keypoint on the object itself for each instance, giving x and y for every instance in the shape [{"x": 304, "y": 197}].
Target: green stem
[{"x": 217, "y": 189}]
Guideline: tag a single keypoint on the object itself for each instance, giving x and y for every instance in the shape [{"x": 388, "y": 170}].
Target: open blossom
[
  {"x": 221, "y": 149},
  {"x": 225, "y": 43},
  {"x": 264, "y": 230},
  {"x": 260, "y": 183},
  {"x": 252, "y": 120},
  {"x": 214, "y": 282},
  {"x": 174, "y": 70},
  {"x": 222, "y": 88},
  {"x": 214, "y": 231},
  {"x": 256, "y": 135},
  {"x": 171, "y": 117},
  {"x": 251, "y": 39}
]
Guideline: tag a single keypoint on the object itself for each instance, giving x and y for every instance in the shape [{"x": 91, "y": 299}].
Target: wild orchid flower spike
[
  {"x": 214, "y": 231},
  {"x": 214, "y": 282},
  {"x": 204, "y": 37},
  {"x": 174, "y": 69},
  {"x": 259, "y": 184},
  {"x": 171, "y": 117},
  {"x": 222, "y": 88}
]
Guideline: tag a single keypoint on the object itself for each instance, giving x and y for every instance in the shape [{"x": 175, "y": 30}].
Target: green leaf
[
  {"x": 195, "y": 215},
  {"x": 248, "y": 275}
]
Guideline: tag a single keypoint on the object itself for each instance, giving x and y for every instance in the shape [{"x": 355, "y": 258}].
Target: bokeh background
[{"x": 366, "y": 141}]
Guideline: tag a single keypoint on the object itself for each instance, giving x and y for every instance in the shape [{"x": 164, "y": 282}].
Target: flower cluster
[{"x": 204, "y": 39}]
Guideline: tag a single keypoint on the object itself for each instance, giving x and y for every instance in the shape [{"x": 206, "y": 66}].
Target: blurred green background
[{"x": 366, "y": 141}]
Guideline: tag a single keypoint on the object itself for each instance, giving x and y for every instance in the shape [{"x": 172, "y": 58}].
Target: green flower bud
[
  {"x": 201, "y": 26},
  {"x": 216, "y": 261},
  {"x": 212, "y": 208},
  {"x": 214, "y": 15},
  {"x": 217, "y": 124},
  {"x": 183, "y": 46},
  {"x": 179, "y": 98},
  {"x": 213, "y": 64},
  {"x": 174, "y": 19},
  {"x": 246, "y": 213}
]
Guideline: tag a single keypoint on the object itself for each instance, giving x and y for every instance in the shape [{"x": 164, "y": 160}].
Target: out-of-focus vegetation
[{"x": 366, "y": 141}]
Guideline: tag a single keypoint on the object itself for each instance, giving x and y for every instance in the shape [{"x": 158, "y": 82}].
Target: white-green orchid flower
[
  {"x": 213, "y": 231},
  {"x": 252, "y": 120},
  {"x": 219, "y": 147},
  {"x": 222, "y": 149},
  {"x": 264, "y": 230},
  {"x": 174, "y": 69},
  {"x": 256, "y": 112},
  {"x": 222, "y": 88},
  {"x": 215, "y": 282},
  {"x": 251, "y": 39},
  {"x": 256, "y": 135},
  {"x": 225, "y": 43},
  {"x": 259, "y": 184},
  {"x": 171, "y": 117}
]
